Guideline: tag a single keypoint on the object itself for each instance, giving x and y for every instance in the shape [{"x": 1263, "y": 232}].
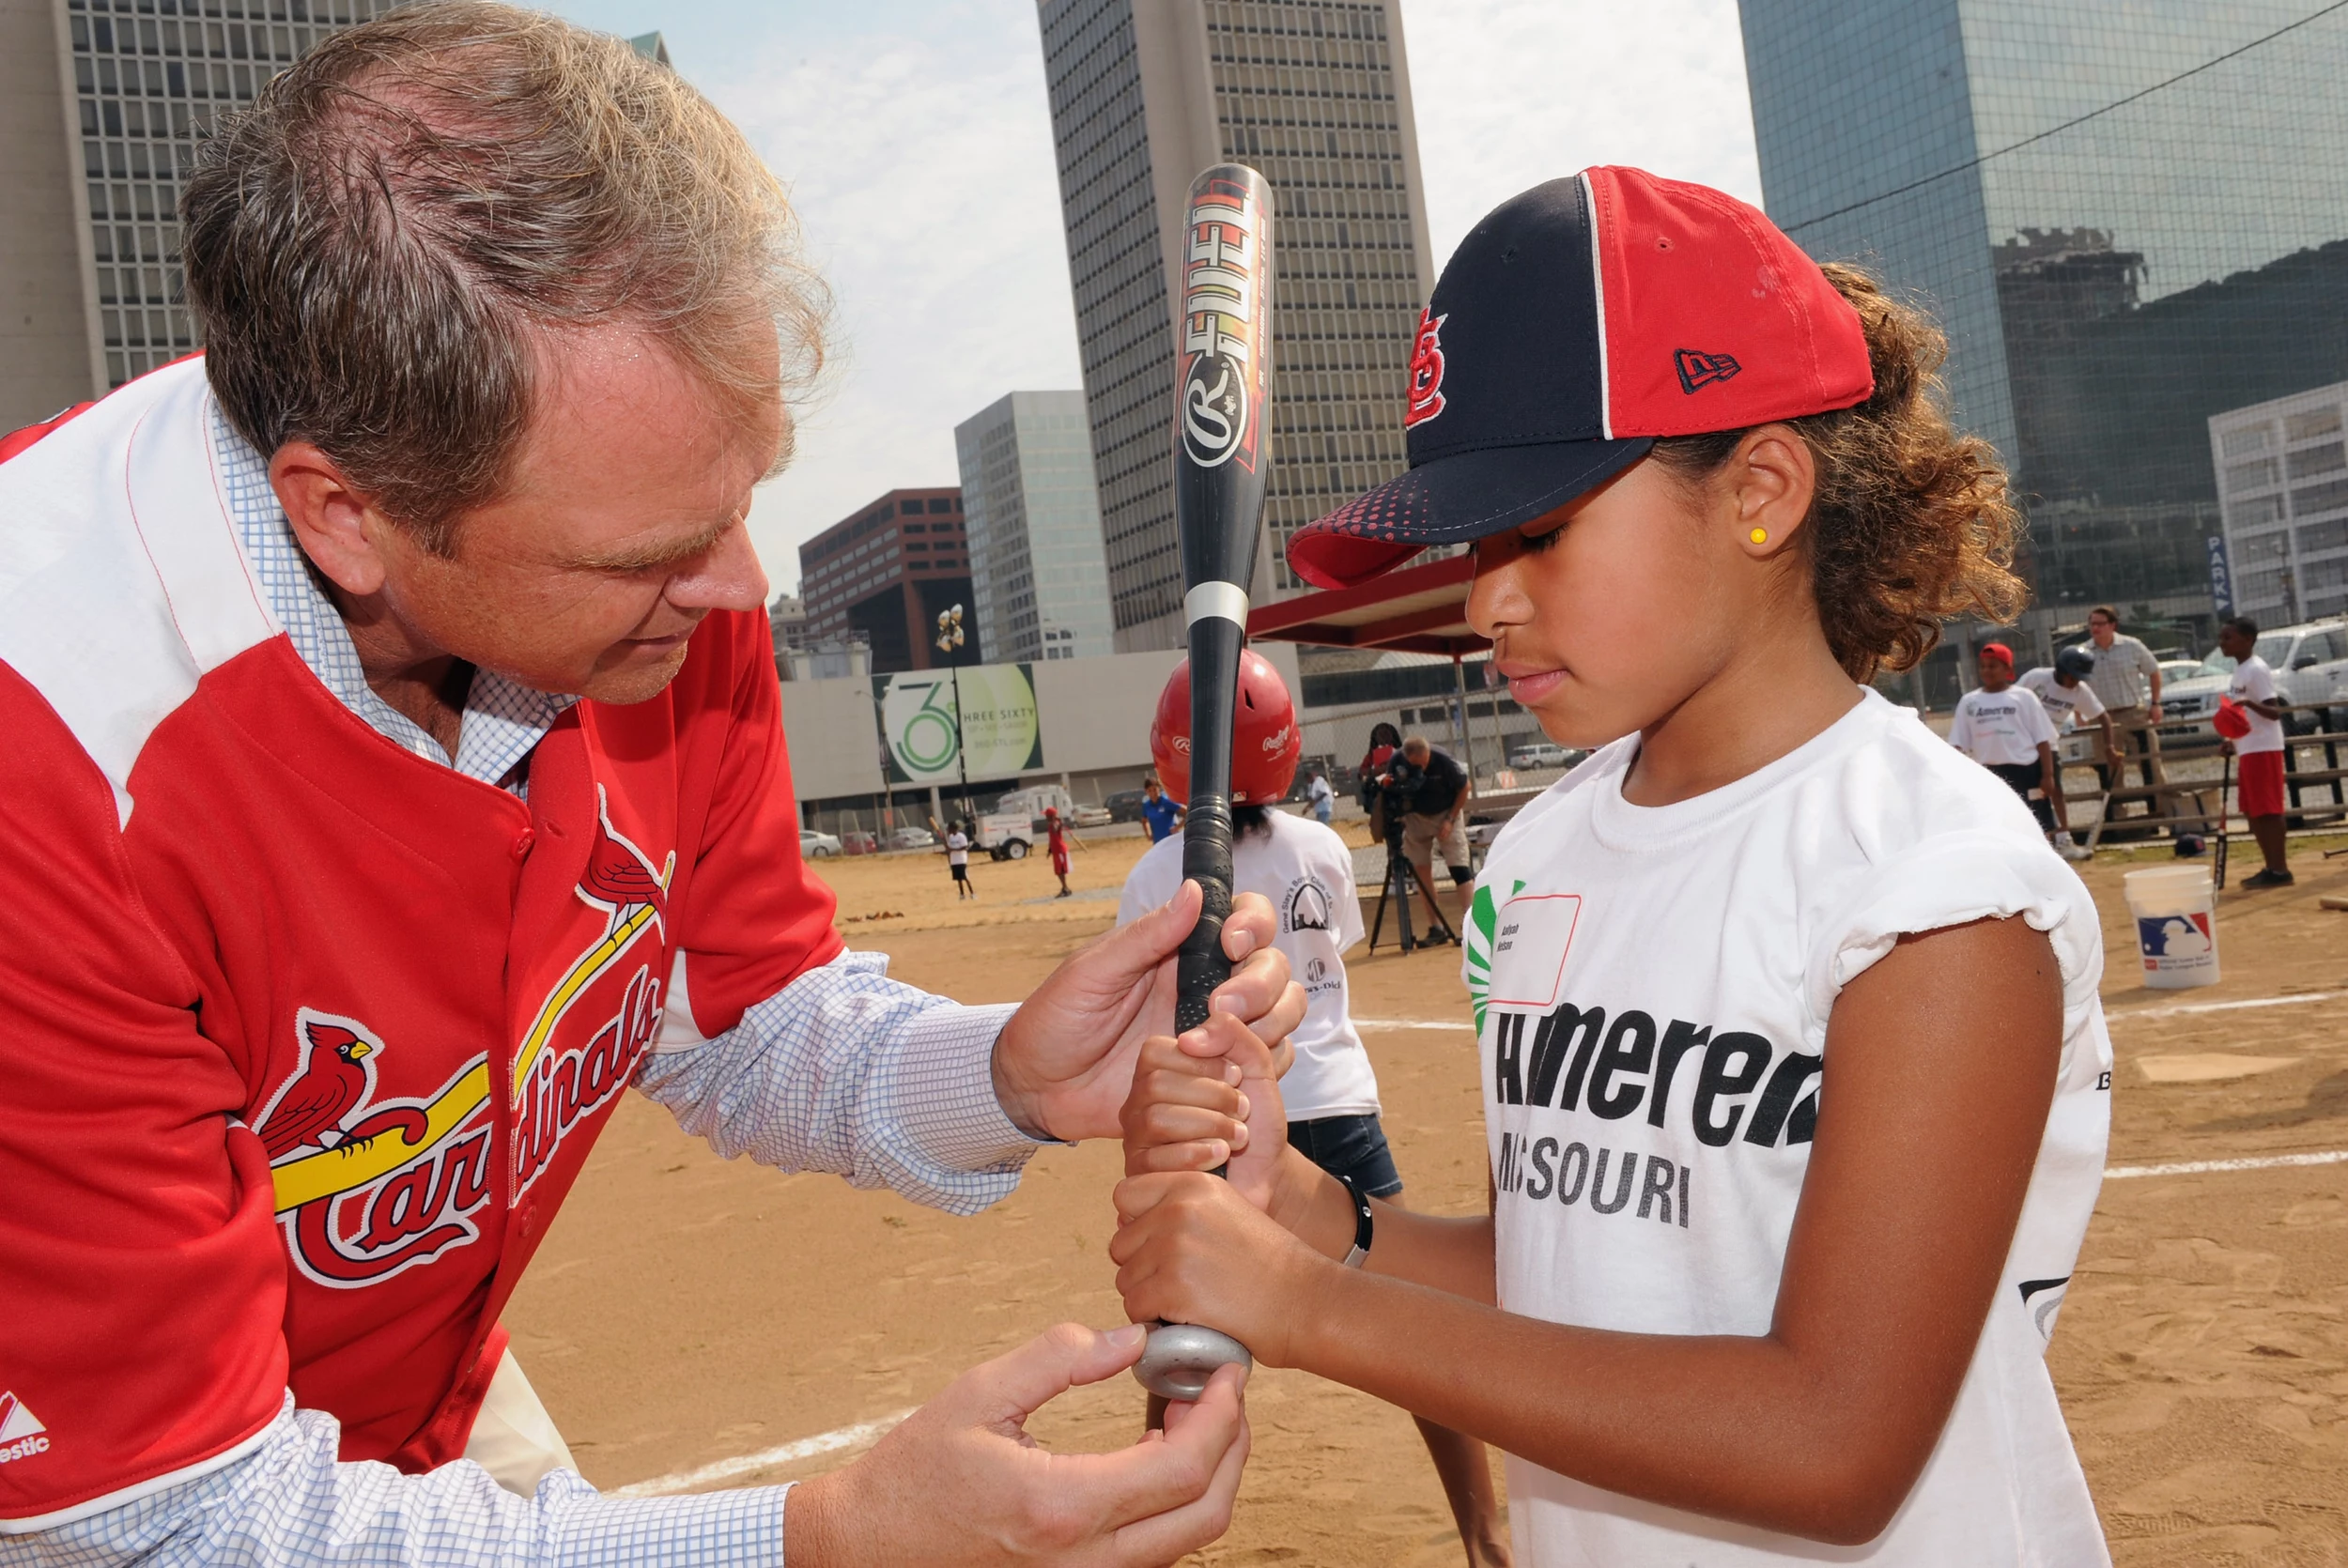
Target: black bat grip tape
[{"x": 1200, "y": 964}]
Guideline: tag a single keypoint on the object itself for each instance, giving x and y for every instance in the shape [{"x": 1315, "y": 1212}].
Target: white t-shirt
[
  {"x": 1652, "y": 989},
  {"x": 957, "y": 848},
  {"x": 1306, "y": 873},
  {"x": 2254, "y": 679},
  {"x": 2067, "y": 707},
  {"x": 1996, "y": 728}
]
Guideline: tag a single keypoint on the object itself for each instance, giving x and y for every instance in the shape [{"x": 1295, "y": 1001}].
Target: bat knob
[{"x": 1181, "y": 1357}]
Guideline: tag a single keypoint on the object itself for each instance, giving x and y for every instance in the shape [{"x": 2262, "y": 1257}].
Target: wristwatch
[{"x": 1365, "y": 1223}]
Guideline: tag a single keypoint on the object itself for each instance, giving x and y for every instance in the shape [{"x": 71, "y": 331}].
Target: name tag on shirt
[{"x": 1529, "y": 943}]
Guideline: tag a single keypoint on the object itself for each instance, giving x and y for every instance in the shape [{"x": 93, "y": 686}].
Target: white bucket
[{"x": 2176, "y": 925}]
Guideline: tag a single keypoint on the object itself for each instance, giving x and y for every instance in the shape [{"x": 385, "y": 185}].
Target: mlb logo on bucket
[{"x": 2176, "y": 941}]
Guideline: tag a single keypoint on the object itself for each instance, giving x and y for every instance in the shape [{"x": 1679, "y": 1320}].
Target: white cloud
[
  {"x": 920, "y": 161},
  {"x": 916, "y": 142},
  {"x": 1509, "y": 93}
]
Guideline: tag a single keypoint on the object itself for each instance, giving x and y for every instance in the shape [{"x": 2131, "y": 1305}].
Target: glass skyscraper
[
  {"x": 2131, "y": 215},
  {"x": 1315, "y": 95}
]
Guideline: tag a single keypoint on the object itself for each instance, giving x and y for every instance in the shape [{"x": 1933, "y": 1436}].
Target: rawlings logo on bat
[{"x": 1227, "y": 359}]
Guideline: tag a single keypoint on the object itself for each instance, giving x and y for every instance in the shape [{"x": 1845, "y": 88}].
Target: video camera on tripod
[{"x": 1393, "y": 792}]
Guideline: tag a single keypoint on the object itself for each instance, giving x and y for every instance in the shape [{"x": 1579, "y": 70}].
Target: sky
[{"x": 914, "y": 138}]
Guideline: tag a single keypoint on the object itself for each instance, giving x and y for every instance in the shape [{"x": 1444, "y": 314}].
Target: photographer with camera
[{"x": 1431, "y": 789}]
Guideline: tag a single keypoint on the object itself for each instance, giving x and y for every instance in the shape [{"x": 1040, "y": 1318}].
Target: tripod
[{"x": 1401, "y": 878}]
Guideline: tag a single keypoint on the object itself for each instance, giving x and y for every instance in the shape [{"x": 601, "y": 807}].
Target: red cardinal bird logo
[
  {"x": 335, "y": 1080},
  {"x": 619, "y": 876}
]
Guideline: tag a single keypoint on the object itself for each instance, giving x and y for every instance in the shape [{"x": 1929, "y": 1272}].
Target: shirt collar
[{"x": 504, "y": 720}]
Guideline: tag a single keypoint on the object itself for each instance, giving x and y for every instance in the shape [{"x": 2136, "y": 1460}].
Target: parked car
[
  {"x": 1125, "y": 806},
  {"x": 910, "y": 838},
  {"x": 1090, "y": 816},
  {"x": 2311, "y": 664},
  {"x": 1544, "y": 754},
  {"x": 817, "y": 846}
]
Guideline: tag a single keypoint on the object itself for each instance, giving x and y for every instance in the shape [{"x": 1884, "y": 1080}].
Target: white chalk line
[
  {"x": 726, "y": 1470},
  {"x": 2254, "y": 1162},
  {"x": 862, "y": 1432},
  {"x": 2183, "y": 1008}
]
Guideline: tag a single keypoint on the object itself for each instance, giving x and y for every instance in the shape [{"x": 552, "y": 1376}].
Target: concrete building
[
  {"x": 898, "y": 575},
  {"x": 1036, "y": 571},
  {"x": 2131, "y": 215},
  {"x": 2283, "y": 483},
  {"x": 98, "y": 103},
  {"x": 1315, "y": 94}
]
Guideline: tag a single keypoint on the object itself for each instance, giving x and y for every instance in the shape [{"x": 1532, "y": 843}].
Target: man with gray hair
[{"x": 396, "y": 773}]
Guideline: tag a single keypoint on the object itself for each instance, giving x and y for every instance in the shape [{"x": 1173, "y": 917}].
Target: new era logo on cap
[
  {"x": 1702, "y": 370},
  {"x": 1555, "y": 351}
]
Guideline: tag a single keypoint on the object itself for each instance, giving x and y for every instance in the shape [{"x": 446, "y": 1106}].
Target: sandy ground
[{"x": 686, "y": 1310}]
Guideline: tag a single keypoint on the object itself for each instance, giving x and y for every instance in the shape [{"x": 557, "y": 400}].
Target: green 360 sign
[{"x": 977, "y": 722}]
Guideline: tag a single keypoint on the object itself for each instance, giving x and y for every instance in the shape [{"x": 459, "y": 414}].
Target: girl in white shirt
[{"x": 1794, "y": 1078}]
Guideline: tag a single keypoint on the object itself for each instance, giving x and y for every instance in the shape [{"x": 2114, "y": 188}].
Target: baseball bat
[
  {"x": 1221, "y": 459},
  {"x": 2218, "y": 851}
]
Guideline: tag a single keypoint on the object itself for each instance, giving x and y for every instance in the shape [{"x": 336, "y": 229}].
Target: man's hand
[
  {"x": 1064, "y": 1062},
  {"x": 960, "y": 1482}
]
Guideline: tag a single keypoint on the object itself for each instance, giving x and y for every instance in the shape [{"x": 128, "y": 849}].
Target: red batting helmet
[
  {"x": 1265, "y": 741},
  {"x": 2231, "y": 719}
]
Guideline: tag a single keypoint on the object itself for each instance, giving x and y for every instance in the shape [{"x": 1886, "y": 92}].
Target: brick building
[{"x": 890, "y": 572}]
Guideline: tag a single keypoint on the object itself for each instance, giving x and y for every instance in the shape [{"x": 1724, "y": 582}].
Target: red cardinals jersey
[{"x": 305, "y": 1036}]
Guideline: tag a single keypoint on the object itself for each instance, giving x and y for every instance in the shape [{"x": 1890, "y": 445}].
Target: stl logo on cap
[{"x": 1426, "y": 370}]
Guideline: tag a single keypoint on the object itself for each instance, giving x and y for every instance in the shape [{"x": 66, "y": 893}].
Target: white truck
[{"x": 1007, "y": 835}]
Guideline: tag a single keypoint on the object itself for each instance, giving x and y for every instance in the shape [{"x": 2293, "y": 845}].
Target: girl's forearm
[{"x": 1454, "y": 1256}]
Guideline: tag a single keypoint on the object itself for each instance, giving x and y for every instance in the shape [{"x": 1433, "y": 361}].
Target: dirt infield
[{"x": 685, "y": 1310}]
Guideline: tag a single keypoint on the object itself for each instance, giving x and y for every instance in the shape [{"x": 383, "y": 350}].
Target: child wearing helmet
[
  {"x": 1331, "y": 1092},
  {"x": 1795, "y": 1076},
  {"x": 2062, "y": 690}
]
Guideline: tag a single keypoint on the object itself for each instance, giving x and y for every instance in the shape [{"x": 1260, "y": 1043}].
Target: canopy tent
[{"x": 1418, "y": 610}]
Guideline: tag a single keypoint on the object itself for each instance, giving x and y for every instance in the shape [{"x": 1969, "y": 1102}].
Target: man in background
[
  {"x": 2126, "y": 679},
  {"x": 2062, "y": 690},
  {"x": 2259, "y": 754},
  {"x": 1437, "y": 796},
  {"x": 1323, "y": 799}
]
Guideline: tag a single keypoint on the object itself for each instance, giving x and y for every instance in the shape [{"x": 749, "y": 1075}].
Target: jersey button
[{"x": 522, "y": 844}]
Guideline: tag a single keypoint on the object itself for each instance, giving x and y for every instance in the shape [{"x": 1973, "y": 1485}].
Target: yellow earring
[{"x": 1760, "y": 536}]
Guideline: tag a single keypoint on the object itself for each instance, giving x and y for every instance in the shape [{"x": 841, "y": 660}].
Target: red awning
[{"x": 1419, "y": 609}]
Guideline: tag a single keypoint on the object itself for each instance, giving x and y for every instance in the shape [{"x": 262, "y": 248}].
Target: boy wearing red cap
[{"x": 2005, "y": 729}]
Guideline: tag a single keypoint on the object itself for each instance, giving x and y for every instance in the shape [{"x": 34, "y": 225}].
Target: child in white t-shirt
[
  {"x": 1794, "y": 1077},
  {"x": 2006, "y": 728},
  {"x": 2258, "y": 751},
  {"x": 958, "y": 862}
]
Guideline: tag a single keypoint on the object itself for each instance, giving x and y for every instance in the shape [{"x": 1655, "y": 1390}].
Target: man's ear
[
  {"x": 338, "y": 528},
  {"x": 1772, "y": 477}
]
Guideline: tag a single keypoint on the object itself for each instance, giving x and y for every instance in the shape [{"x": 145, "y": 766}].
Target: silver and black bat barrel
[{"x": 1221, "y": 462}]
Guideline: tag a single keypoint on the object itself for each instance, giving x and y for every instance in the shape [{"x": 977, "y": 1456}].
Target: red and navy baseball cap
[{"x": 1579, "y": 322}]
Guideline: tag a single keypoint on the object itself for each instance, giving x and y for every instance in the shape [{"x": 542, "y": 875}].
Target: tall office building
[
  {"x": 1033, "y": 516},
  {"x": 2131, "y": 215},
  {"x": 896, "y": 574},
  {"x": 98, "y": 102},
  {"x": 1147, "y": 93}
]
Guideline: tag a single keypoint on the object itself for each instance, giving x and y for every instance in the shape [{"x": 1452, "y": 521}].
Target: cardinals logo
[
  {"x": 368, "y": 1186},
  {"x": 1426, "y": 370}
]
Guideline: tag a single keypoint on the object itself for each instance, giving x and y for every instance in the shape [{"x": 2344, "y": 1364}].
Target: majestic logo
[
  {"x": 21, "y": 1435},
  {"x": 2043, "y": 1300},
  {"x": 1426, "y": 370},
  {"x": 1702, "y": 370},
  {"x": 1227, "y": 363},
  {"x": 367, "y": 1188}
]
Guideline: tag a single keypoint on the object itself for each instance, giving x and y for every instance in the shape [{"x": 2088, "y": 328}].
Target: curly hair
[
  {"x": 383, "y": 248},
  {"x": 1911, "y": 525}
]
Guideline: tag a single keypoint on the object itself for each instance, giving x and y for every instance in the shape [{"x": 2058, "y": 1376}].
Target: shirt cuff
[
  {"x": 943, "y": 1088},
  {"x": 738, "y": 1527}
]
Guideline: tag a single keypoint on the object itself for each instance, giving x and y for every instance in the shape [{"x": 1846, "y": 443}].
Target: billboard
[{"x": 979, "y": 721}]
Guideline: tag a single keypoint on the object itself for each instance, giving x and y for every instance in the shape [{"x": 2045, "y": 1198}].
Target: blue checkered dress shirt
[{"x": 843, "y": 1070}]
